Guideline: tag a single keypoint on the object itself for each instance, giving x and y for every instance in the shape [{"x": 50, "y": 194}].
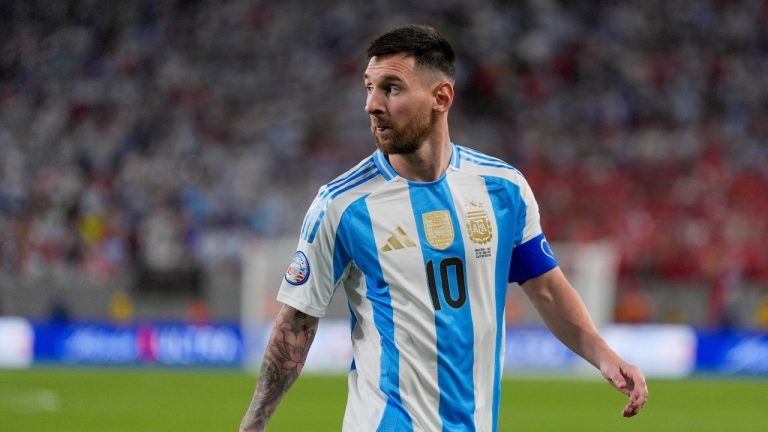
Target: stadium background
[{"x": 146, "y": 146}]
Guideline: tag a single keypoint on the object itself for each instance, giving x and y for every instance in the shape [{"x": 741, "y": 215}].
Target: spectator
[{"x": 654, "y": 110}]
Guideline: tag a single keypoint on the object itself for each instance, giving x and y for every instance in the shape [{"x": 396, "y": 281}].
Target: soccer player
[{"x": 423, "y": 236}]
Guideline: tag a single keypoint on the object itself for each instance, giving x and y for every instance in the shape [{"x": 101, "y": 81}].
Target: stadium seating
[{"x": 159, "y": 134}]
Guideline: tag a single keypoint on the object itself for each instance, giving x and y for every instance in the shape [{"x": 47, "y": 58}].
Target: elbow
[{"x": 538, "y": 293}]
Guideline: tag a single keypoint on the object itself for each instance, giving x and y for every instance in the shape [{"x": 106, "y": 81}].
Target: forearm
[
  {"x": 284, "y": 358},
  {"x": 582, "y": 338},
  {"x": 567, "y": 317}
]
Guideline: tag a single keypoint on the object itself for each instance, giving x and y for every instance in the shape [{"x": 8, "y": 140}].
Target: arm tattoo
[{"x": 284, "y": 358}]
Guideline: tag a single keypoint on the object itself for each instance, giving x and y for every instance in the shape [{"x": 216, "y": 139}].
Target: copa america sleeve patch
[{"x": 298, "y": 270}]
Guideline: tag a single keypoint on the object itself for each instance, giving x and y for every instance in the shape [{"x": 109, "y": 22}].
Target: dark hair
[{"x": 424, "y": 43}]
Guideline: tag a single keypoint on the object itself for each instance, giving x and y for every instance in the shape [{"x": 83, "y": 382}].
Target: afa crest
[{"x": 478, "y": 224}]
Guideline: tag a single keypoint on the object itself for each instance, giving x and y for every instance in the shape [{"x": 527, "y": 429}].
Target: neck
[{"x": 427, "y": 164}]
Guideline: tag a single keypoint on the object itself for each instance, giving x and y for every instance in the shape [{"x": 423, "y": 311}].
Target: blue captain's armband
[{"x": 531, "y": 259}]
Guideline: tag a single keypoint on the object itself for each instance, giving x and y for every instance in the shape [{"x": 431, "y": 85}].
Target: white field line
[{"x": 29, "y": 401}]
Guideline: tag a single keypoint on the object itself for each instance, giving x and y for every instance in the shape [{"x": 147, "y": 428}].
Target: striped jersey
[{"x": 425, "y": 268}]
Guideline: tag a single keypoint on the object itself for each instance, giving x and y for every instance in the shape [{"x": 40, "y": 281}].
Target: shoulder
[
  {"x": 335, "y": 196},
  {"x": 491, "y": 168}
]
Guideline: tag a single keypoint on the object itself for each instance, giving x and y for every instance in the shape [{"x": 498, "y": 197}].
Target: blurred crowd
[{"x": 165, "y": 133}]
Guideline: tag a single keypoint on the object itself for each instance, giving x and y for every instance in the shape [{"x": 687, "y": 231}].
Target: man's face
[{"x": 399, "y": 103}]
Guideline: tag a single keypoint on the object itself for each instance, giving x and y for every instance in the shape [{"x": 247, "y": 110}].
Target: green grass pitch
[{"x": 136, "y": 400}]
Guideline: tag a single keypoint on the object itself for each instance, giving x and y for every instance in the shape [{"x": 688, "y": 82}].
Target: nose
[{"x": 373, "y": 103}]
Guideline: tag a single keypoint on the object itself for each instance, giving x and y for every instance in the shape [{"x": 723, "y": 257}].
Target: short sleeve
[
  {"x": 314, "y": 270},
  {"x": 532, "y": 257}
]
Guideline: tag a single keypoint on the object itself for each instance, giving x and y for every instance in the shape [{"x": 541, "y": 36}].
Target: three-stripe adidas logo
[{"x": 398, "y": 240}]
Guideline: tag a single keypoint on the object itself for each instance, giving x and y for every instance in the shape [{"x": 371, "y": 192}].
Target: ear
[{"x": 443, "y": 94}]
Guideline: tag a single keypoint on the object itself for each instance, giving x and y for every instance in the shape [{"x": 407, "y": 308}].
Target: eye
[
  {"x": 393, "y": 89},
  {"x": 368, "y": 88}
]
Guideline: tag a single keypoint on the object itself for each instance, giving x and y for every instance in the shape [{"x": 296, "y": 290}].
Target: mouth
[{"x": 379, "y": 125}]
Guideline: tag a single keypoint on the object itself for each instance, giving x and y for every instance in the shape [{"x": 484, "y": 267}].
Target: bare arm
[
  {"x": 284, "y": 358},
  {"x": 564, "y": 312}
]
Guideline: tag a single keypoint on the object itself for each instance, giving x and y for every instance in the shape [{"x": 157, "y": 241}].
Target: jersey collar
[{"x": 389, "y": 173}]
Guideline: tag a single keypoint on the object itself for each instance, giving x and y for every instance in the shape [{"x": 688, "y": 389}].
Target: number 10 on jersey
[{"x": 445, "y": 283}]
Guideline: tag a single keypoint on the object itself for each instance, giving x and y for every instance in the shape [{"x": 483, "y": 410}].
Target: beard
[{"x": 406, "y": 140}]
